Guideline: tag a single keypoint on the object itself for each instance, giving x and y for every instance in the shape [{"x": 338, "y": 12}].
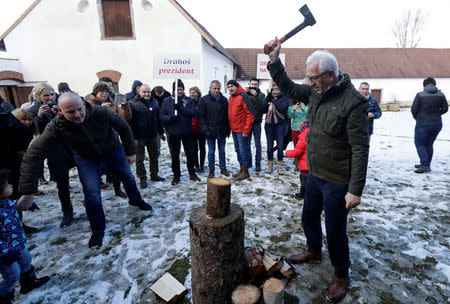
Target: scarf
[{"x": 273, "y": 113}]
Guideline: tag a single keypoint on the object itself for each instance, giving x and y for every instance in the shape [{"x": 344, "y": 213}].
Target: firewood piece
[
  {"x": 246, "y": 294},
  {"x": 217, "y": 255},
  {"x": 218, "y": 194},
  {"x": 273, "y": 291},
  {"x": 255, "y": 266},
  {"x": 169, "y": 289},
  {"x": 271, "y": 263},
  {"x": 286, "y": 270}
]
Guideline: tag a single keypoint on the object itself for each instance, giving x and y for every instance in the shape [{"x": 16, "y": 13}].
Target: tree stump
[
  {"x": 218, "y": 195},
  {"x": 245, "y": 294},
  {"x": 273, "y": 291},
  {"x": 217, "y": 255}
]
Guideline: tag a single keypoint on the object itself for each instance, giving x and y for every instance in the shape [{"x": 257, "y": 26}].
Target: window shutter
[{"x": 117, "y": 18}]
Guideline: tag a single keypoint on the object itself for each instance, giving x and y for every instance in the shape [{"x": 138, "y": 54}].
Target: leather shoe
[
  {"x": 306, "y": 257},
  {"x": 194, "y": 177},
  {"x": 422, "y": 170},
  {"x": 224, "y": 171},
  {"x": 338, "y": 289},
  {"x": 157, "y": 178},
  {"x": 175, "y": 180},
  {"x": 142, "y": 205}
]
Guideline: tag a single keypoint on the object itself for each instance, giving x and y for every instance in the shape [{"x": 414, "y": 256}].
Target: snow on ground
[{"x": 399, "y": 236}]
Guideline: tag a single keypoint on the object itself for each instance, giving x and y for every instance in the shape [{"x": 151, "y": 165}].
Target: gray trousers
[{"x": 151, "y": 143}]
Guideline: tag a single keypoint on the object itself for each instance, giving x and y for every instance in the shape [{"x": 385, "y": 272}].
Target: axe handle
[{"x": 297, "y": 29}]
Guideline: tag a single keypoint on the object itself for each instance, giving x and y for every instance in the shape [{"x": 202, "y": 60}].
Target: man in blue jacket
[
  {"x": 374, "y": 111},
  {"x": 176, "y": 116}
]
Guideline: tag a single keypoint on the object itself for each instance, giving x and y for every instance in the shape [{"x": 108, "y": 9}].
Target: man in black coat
[
  {"x": 5, "y": 107},
  {"x": 146, "y": 126},
  {"x": 213, "y": 120}
]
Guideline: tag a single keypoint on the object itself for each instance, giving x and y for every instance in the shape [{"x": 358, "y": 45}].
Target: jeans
[
  {"x": 90, "y": 171},
  {"x": 242, "y": 148},
  {"x": 256, "y": 131},
  {"x": 212, "y": 151},
  {"x": 275, "y": 132},
  {"x": 151, "y": 143},
  {"x": 175, "y": 148},
  {"x": 322, "y": 195},
  {"x": 199, "y": 144},
  {"x": 11, "y": 273},
  {"x": 425, "y": 134}
]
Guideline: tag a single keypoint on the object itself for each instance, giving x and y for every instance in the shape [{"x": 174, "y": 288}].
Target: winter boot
[
  {"x": 244, "y": 174},
  {"x": 143, "y": 184},
  {"x": 29, "y": 281},
  {"x": 7, "y": 299},
  {"x": 300, "y": 194},
  {"x": 96, "y": 240},
  {"x": 269, "y": 166},
  {"x": 224, "y": 171},
  {"x": 211, "y": 173},
  {"x": 67, "y": 216},
  {"x": 194, "y": 177},
  {"x": 280, "y": 167},
  {"x": 27, "y": 229},
  {"x": 117, "y": 190},
  {"x": 237, "y": 173},
  {"x": 175, "y": 180},
  {"x": 141, "y": 205}
]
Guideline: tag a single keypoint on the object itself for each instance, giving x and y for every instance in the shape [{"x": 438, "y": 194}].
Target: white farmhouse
[{"x": 79, "y": 41}]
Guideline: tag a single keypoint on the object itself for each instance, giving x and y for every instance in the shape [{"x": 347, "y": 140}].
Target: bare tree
[{"x": 409, "y": 28}]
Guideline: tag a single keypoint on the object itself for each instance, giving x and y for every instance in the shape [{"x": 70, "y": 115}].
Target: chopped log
[
  {"x": 271, "y": 263},
  {"x": 169, "y": 289},
  {"x": 255, "y": 266},
  {"x": 218, "y": 197},
  {"x": 245, "y": 294},
  {"x": 286, "y": 270},
  {"x": 273, "y": 291},
  {"x": 217, "y": 255}
]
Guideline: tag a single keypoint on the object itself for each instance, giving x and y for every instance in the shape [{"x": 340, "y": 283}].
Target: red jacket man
[{"x": 241, "y": 120}]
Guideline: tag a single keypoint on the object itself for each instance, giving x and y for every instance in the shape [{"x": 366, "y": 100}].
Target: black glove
[
  {"x": 10, "y": 257},
  {"x": 34, "y": 207},
  {"x": 177, "y": 106}
]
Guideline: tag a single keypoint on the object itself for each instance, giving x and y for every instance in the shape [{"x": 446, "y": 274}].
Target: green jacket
[
  {"x": 338, "y": 141},
  {"x": 93, "y": 139},
  {"x": 258, "y": 103}
]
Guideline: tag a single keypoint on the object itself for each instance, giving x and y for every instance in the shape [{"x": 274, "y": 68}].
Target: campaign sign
[
  {"x": 183, "y": 66},
  {"x": 261, "y": 69}
]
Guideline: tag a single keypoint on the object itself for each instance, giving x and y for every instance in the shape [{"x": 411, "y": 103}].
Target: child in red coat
[{"x": 300, "y": 154}]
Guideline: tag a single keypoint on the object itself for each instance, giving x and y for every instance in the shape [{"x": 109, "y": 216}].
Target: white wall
[
  {"x": 57, "y": 43},
  {"x": 215, "y": 67}
]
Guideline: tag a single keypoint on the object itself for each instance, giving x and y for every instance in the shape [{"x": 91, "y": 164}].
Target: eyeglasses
[{"x": 314, "y": 78}]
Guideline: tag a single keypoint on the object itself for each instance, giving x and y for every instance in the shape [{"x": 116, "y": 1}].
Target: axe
[{"x": 309, "y": 20}]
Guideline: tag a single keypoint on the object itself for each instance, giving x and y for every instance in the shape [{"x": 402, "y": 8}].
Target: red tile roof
[{"x": 359, "y": 62}]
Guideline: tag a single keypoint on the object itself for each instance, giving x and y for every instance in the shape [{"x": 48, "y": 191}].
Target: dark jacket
[
  {"x": 281, "y": 104},
  {"x": 39, "y": 122},
  {"x": 258, "y": 103},
  {"x": 181, "y": 125},
  {"x": 375, "y": 109},
  {"x": 429, "y": 104},
  {"x": 145, "y": 120},
  {"x": 213, "y": 116},
  {"x": 5, "y": 107},
  {"x": 132, "y": 94},
  {"x": 338, "y": 141},
  {"x": 158, "y": 98},
  {"x": 93, "y": 139}
]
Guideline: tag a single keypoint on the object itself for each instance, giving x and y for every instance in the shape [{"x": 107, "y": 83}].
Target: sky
[{"x": 340, "y": 24}]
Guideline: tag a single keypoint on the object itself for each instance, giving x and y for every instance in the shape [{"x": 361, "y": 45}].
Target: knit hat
[
  {"x": 429, "y": 80},
  {"x": 233, "y": 82},
  {"x": 63, "y": 86},
  {"x": 180, "y": 84},
  {"x": 100, "y": 86}
]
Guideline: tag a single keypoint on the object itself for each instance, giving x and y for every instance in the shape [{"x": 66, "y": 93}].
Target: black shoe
[
  {"x": 7, "y": 299},
  {"x": 28, "y": 229},
  {"x": 96, "y": 240},
  {"x": 224, "y": 171},
  {"x": 142, "y": 205},
  {"x": 194, "y": 177},
  {"x": 143, "y": 184},
  {"x": 67, "y": 217},
  {"x": 417, "y": 166},
  {"x": 29, "y": 281},
  {"x": 157, "y": 178},
  {"x": 211, "y": 174},
  {"x": 298, "y": 195},
  {"x": 422, "y": 170},
  {"x": 258, "y": 169},
  {"x": 175, "y": 180}
]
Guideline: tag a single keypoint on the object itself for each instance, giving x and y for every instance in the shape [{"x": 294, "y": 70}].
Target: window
[
  {"x": 117, "y": 19},
  {"x": 2, "y": 45}
]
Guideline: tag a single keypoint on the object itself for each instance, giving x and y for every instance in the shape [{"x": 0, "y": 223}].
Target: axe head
[{"x": 309, "y": 18}]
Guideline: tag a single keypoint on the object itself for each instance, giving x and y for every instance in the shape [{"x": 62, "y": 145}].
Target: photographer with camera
[
  {"x": 60, "y": 158},
  {"x": 258, "y": 102}
]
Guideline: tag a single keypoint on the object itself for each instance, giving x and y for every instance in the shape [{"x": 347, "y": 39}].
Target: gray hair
[
  {"x": 68, "y": 95},
  {"x": 327, "y": 61},
  {"x": 215, "y": 82}
]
